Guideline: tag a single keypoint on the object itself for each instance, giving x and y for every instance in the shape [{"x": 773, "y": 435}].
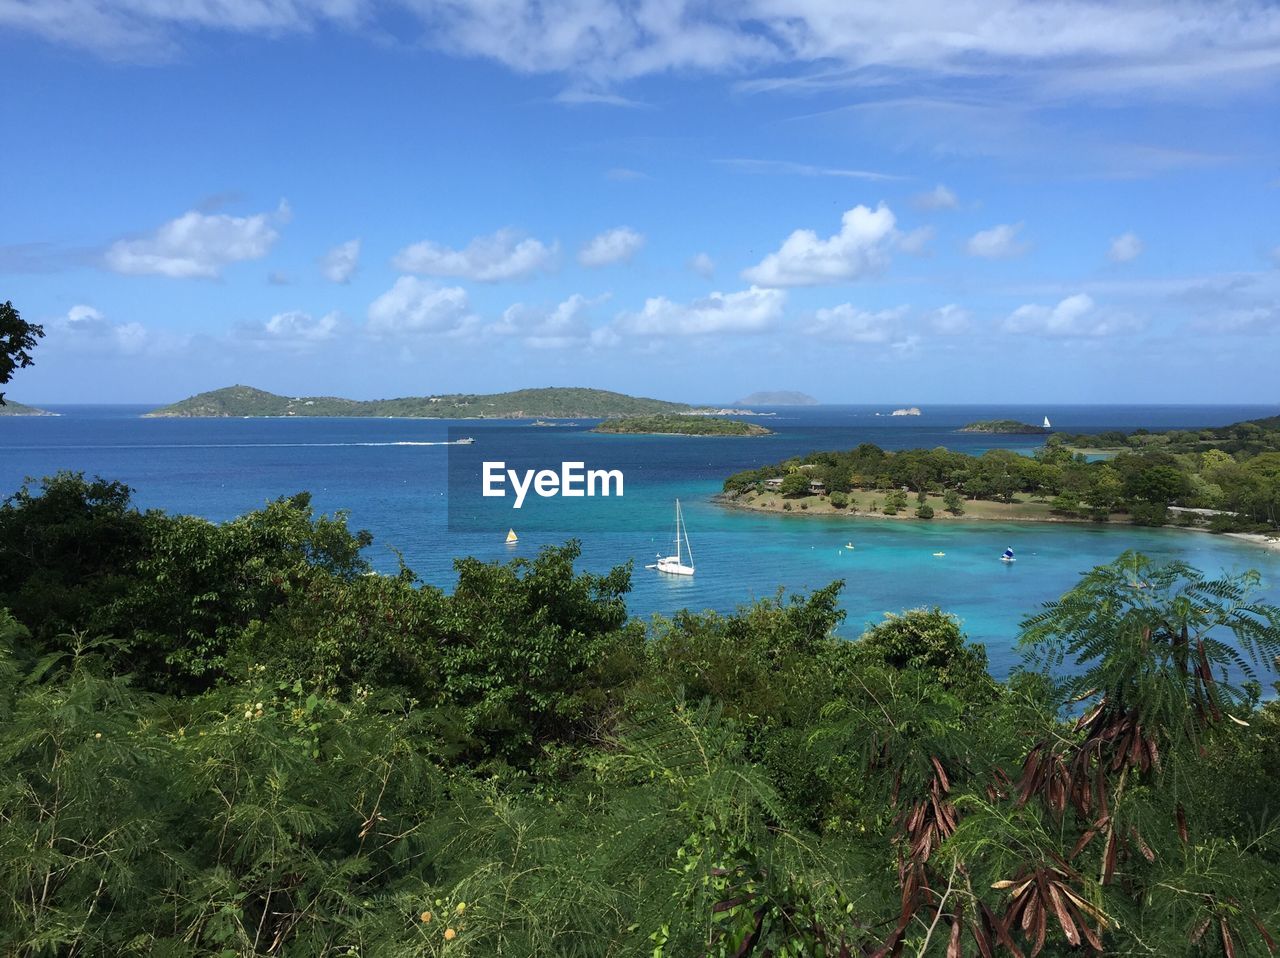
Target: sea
[{"x": 421, "y": 498}]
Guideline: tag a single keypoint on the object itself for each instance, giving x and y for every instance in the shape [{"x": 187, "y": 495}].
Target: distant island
[
  {"x": 908, "y": 411},
  {"x": 1005, "y": 427},
  {"x": 677, "y": 425},
  {"x": 549, "y": 403},
  {"x": 11, "y": 408},
  {"x": 780, "y": 397}
]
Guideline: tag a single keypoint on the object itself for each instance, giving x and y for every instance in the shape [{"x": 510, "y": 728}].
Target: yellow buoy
[{"x": 512, "y": 537}]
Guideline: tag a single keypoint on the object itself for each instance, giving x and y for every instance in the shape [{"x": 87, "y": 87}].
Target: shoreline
[{"x": 1257, "y": 539}]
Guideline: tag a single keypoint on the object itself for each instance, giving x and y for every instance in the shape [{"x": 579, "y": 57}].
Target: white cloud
[
  {"x": 567, "y": 324},
  {"x": 999, "y": 242},
  {"x": 198, "y": 245},
  {"x": 950, "y": 320},
  {"x": 848, "y": 323},
  {"x": 806, "y": 169},
  {"x": 703, "y": 265},
  {"x": 1078, "y": 47},
  {"x": 297, "y": 327},
  {"x": 413, "y": 305},
  {"x": 915, "y": 243},
  {"x": 340, "y": 263},
  {"x": 1125, "y": 248},
  {"x": 577, "y": 97},
  {"x": 938, "y": 198},
  {"x": 1255, "y": 320},
  {"x": 622, "y": 174},
  {"x": 748, "y": 311},
  {"x": 503, "y": 255},
  {"x": 1075, "y": 316},
  {"x": 858, "y": 250},
  {"x": 86, "y": 328},
  {"x": 612, "y": 246}
]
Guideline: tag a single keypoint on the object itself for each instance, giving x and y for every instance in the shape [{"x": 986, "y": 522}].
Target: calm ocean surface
[{"x": 423, "y": 501}]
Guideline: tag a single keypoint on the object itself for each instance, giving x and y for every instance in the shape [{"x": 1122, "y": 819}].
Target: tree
[
  {"x": 951, "y": 500},
  {"x": 17, "y": 339},
  {"x": 796, "y": 484}
]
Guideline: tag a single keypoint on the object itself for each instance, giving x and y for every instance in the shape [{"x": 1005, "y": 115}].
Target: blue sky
[{"x": 963, "y": 201}]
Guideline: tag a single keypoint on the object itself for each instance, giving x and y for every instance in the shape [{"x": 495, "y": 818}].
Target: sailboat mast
[{"x": 678, "y": 559}]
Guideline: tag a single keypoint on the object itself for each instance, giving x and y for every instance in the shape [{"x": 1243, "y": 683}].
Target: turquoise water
[{"x": 423, "y": 502}]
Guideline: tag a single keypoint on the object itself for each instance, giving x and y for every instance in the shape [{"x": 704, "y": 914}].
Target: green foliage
[
  {"x": 228, "y": 740},
  {"x": 930, "y": 641},
  {"x": 795, "y": 484},
  {"x": 1004, "y": 427},
  {"x": 17, "y": 338},
  {"x": 951, "y": 500},
  {"x": 839, "y": 500},
  {"x": 668, "y": 424},
  {"x": 66, "y": 548}
]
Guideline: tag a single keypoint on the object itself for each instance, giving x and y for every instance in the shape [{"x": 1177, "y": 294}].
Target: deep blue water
[{"x": 417, "y": 505}]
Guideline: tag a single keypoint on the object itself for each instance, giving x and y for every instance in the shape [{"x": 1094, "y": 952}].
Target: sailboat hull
[{"x": 673, "y": 566}]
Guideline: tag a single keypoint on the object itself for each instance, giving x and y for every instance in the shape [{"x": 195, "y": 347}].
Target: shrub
[
  {"x": 924, "y": 511},
  {"x": 839, "y": 500}
]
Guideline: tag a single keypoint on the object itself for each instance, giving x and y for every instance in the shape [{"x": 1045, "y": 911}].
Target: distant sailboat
[
  {"x": 675, "y": 565},
  {"x": 512, "y": 538},
  {"x": 1047, "y": 424},
  {"x": 1008, "y": 555}
]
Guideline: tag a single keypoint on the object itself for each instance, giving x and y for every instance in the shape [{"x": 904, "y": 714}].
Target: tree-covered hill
[
  {"x": 552, "y": 402},
  {"x": 1007, "y": 427},
  {"x": 11, "y": 408},
  {"x": 677, "y": 425}
]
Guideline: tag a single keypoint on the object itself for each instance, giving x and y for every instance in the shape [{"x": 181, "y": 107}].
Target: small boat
[
  {"x": 675, "y": 565},
  {"x": 848, "y": 545},
  {"x": 939, "y": 554},
  {"x": 1008, "y": 555},
  {"x": 464, "y": 441},
  {"x": 512, "y": 538},
  {"x": 1047, "y": 424}
]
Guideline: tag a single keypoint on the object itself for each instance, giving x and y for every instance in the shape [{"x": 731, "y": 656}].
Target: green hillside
[
  {"x": 11, "y": 408},
  {"x": 676, "y": 425},
  {"x": 519, "y": 404},
  {"x": 1007, "y": 427}
]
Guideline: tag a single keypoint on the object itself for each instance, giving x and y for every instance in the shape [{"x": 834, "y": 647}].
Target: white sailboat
[
  {"x": 676, "y": 564},
  {"x": 1047, "y": 424}
]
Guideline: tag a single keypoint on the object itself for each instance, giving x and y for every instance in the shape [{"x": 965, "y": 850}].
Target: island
[
  {"x": 1005, "y": 427},
  {"x": 780, "y": 397},
  {"x": 908, "y": 411},
  {"x": 548, "y": 403},
  {"x": 678, "y": 425},
  {"x": 1225, "y": 480},
  {"x": 11, "y": 408}
]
